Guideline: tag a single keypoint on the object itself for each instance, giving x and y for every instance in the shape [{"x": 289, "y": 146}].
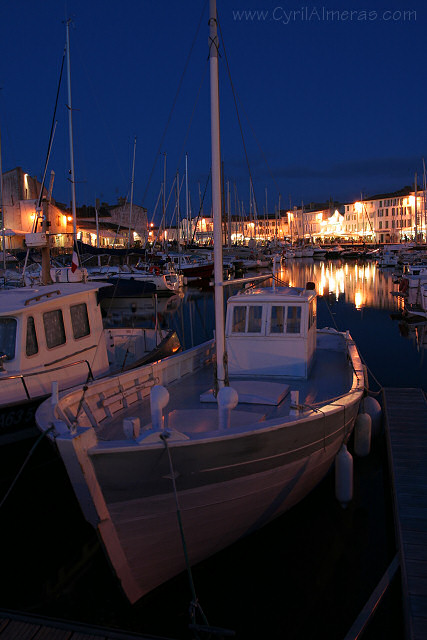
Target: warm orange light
[{"x": 70, "y": 218}]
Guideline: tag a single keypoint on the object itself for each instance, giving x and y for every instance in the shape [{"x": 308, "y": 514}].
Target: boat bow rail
[
  {"x": 100, "y": 401},
  {"x": 103, "y": 407}
]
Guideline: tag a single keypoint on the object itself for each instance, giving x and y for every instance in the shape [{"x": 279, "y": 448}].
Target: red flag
[{"x": 74, "y": 262}]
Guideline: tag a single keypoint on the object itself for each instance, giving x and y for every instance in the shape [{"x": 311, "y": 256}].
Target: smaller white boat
[
  {"x": 418, "y": 307},
  {"x": 319, "y": 253},
  {"x": 54, "y": 335}
]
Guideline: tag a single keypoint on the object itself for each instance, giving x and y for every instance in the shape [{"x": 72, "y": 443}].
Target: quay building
[{"x": 385, "y": 218}]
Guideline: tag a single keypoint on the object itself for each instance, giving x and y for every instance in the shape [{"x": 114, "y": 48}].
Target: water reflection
[
  {"x": 362, "y": 284},
  {"x": 139, "y": 311},
  {"x": 416, "y": 331}
]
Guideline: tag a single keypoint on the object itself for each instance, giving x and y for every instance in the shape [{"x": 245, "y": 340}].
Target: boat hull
[
  {"x": 229, "y": 483},
  {"x": 212, "y": 519}
]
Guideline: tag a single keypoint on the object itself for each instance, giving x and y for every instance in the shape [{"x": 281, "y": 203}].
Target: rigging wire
[
  {"x": 174, "y": 102},
  {"x": 49, "y": 148},
  {"x": 237, "y": 113}
]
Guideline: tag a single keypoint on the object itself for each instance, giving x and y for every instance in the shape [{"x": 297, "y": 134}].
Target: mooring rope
[
  {"x": 18, "y": 475},
  {"x": 195, "y": 604}
]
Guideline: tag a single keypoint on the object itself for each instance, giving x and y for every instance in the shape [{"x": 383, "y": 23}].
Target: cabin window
[
  {"x": 277, "y": 320},
  {"x": 54, "y": 328},
  {"x": 254, "y": 319},
  {"x": 8, "y": 337},
  {"x": 293, "y": 320},
  {"x": 79, "y": 320},
  {"x": 239, "y": 319},
  {"x": 32, "y": 346}
]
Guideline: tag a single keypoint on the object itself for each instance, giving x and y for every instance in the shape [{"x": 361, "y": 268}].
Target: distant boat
[
  {"x": 192, "y": 267},
  {"x": 233, "y": 432}
]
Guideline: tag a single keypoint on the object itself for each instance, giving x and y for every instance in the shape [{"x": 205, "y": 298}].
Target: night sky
[{"x": 331, "y": 105}]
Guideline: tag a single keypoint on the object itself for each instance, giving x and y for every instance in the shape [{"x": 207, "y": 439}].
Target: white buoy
[
  {"x": 362, "y": 435},
  {"x": 372, "y": 407},
  {"x": 159, "y": 398},
  {"x": 227, "y": 400},
  {"x": 344, "y": 476}
]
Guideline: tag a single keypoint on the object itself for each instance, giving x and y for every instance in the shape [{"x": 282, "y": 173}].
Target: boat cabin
[
  {"x": 51, "y": 327},
  {"x": 271, "y": 332}
]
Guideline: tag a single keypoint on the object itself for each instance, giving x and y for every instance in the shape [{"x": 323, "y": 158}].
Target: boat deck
[
  {"x": 266, "y": 398},
  {"x": 24, "y": 627}
]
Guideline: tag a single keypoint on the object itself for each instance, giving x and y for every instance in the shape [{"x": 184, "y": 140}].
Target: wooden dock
[
  {"x": 405, "y": 412},
  {"x": 16, "y": 626}
]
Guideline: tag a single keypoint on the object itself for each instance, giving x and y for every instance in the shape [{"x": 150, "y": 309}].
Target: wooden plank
[
  {"x": 19, "y": 629},
  {"x": 17, "y": 626},
  {"x": 406, "y": 430},
  {"x": 50, "y": 633}
]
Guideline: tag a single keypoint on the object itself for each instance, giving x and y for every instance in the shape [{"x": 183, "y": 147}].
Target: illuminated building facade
[{"x": 389, "y": 218}]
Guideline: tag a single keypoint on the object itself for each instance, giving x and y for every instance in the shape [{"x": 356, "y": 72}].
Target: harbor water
[{"x": 306, "y": 575}]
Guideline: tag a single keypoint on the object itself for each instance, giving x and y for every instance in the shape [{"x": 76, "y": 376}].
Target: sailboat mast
[
  {"x": 415, "y": 210},
  {"x": 216, "y": 193},
  {"x": 131, "y": 192},
  {"x": 70, "y": 128},
  {"x": 3, "y": 224},
  {"x": 187, "y": 207}
]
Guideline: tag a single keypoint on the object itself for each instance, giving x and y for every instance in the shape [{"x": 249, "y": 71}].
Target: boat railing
[
  {"x": 23, "y": 376},
  {"x": 103, "y": 399}
]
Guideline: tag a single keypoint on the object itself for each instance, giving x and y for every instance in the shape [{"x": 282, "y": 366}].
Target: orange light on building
[{"x": 69, "y": 218}]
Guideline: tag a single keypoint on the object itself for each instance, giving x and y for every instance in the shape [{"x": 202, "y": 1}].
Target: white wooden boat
[
  {"x": 220, "y": 439},
  {"x": 55, "y": 334},
  {"x": 298, "y": 392}
]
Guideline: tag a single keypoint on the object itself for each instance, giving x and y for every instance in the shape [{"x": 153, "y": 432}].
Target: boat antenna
[{"x": 216, "y": 195}]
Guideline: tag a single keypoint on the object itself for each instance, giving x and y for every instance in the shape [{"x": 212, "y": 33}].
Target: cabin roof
[
  {"x": 278, "y": 294},
  {"x": 15, "y": 300}
]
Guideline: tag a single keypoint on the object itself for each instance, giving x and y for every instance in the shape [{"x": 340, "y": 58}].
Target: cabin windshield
[{"x": 8, "y": 337}]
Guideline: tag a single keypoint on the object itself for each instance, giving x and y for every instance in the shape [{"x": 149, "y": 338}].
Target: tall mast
[
  {"x": 187, "y": 207},
  {"x": 216, "y": 193},
  {"x": 3, "y": 223},
  {"x": 424, "y": 201},
  {"x": 131, "y": 192},
  {"x": 415, "y": 210},
  {"x": 70, "y": 128}
]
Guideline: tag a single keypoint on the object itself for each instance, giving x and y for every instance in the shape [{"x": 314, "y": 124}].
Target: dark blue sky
[{"x": 331, "y": 105}]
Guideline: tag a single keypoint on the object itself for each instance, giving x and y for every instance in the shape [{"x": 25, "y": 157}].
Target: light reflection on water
[{"x": 363, "y": 284}]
